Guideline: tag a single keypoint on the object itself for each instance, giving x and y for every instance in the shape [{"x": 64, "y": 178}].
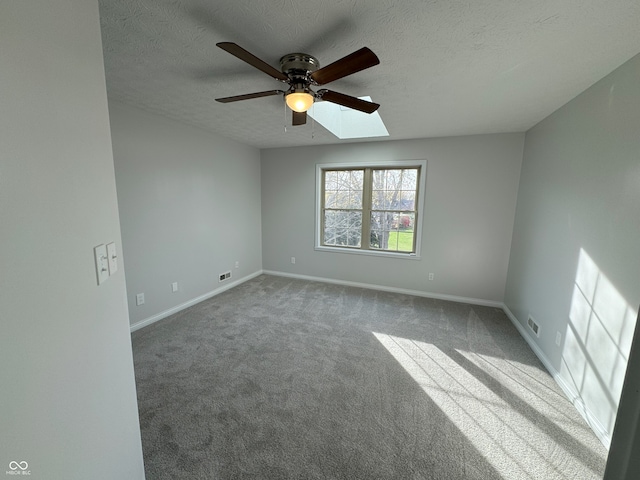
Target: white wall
[
  {"x": 575, "y": 256},
  {"x": 189, "y": 209},
  {"x": 67, "y": 394},
  {"x": 468, "y": 219}
]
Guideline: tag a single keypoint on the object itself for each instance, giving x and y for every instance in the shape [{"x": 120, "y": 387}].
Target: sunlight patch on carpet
[{"x": 484, "y": 395}]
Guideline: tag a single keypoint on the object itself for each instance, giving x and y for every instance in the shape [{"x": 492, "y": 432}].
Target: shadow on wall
[{"x": 597, "y": 341}]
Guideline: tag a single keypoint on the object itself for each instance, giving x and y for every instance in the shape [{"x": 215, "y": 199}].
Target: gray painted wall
[
  {"x": 67, "y": 394},
  {"x": 575, "y": 253},
  {"x": 189, "y": 209},
  {"x": 471, "y": 193}
]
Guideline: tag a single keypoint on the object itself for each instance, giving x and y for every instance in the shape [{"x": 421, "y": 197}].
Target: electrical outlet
[
  {"x": 174, "y": 287},
  {"x": 293, "y": 260},
  {"x": 237, "y": 264},
  {"x": 558, "y": 338},
  {"x": 224, "y": 276},
  {"x": 140, "y": 299},
  {"x": 430, "y": 276}
]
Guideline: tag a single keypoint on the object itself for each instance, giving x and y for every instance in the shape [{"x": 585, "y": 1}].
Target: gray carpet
[{"x": 288, "y": 379}]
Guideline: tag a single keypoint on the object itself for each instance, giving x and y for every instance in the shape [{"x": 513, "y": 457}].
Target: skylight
[{"x": 346, "y": 123}]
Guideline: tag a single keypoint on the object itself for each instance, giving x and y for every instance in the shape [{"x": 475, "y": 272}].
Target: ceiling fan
[{"x": 302, "y": 71}]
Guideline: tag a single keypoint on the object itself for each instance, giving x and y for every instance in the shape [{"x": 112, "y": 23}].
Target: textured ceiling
[{"x": 448, "y": 67}]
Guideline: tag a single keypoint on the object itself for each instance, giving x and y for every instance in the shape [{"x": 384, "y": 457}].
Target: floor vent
[
  {"x": 535, "y": 328},
  {"x": 224, "y": 276}
]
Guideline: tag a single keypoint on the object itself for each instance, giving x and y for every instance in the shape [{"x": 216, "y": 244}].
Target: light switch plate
[
  {"x": 113, "y": 258},
  {"x": 102, "y": 269}
]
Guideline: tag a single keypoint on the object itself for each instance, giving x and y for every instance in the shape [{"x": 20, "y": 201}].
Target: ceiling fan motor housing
[{"x": 299, "y": 65}]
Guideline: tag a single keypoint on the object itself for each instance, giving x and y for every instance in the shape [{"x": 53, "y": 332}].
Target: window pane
[
  {"x": 341, "y": 218},
  {"x": 344, "y": 180},
  {"x": 357, "y": 178},
  {"x": 355, "y": 199},
  {"x": 392, "y": 241},
  {"x": 381, "y": 220},
  {"x": 401, "y": 240},
  {"x": 409, "y": 179},
  {"x": 329, "y": 219},
  {"x": 343, "y": 189},
  {"x": 330, "y": 198},
  {"x": 353, "y": 238},
  {"x": 392, "y": 231},
  {"x": 393, "y": 179},
  {"x": 377, "y": 179},
  {"x": 375, "y": 240},
  {"x": 393, "y": 197},
  {"x": 342, "y": 228},
  {"x": 330, "y": 227},
  {"x": 355, "y": 220},
  {"x": 405, "y": 221},
  {"x": 340, "y": 200},
  {"x": 407, "y": 201},
  {"x": 330, "y": 180},
  {"x": 377, "y": 199}
]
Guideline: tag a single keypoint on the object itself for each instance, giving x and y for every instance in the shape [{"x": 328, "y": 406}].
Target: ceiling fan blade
[
  {"x": 348, "y": 101},
  {"x": 299, "y": 118},
  {"x": 248, "y": 96},
  {"x": 359, "y": 60},
  {"x": 252, "y": 60}
]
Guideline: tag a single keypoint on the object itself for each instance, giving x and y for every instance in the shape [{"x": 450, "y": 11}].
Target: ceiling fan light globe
[{"x": 299, "y": 101}]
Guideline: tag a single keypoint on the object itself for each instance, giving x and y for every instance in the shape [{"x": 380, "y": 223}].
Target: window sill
[{"x": 373, "y": 253}]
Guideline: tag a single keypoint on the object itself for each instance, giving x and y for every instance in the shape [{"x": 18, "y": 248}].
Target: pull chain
[
  {"x": 285, "y": 116},
  {"x": 313, "y": 121}
]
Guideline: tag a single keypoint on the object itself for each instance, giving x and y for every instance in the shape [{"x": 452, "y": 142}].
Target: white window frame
[{"x": 420, "y": 203}]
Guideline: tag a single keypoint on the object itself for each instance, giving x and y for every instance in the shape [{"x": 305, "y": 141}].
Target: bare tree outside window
[{"x": 370, "y": 208}]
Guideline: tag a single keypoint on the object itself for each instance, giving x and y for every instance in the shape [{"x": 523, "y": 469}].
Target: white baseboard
[
  {"x": 193, "y": 301},
  {"x": 370, "y": 286},
  {"x": 601, "y": 432}
]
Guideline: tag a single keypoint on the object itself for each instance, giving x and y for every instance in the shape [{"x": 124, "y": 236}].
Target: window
[{"x": 370, "y": 209}]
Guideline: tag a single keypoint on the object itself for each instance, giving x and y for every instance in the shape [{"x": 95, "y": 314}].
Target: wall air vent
[{"x": 533, "y": 326}]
